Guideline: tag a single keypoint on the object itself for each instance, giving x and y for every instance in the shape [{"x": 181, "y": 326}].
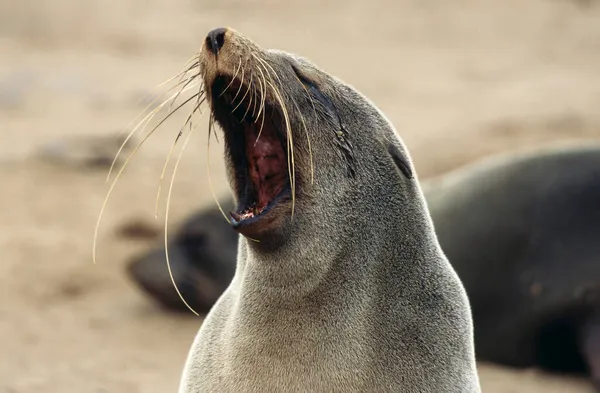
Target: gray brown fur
[
  {"x": 493, "y": 201},
  {"x": 202, "y": 258},
  {"x": 533, "y": 277},
  {"x": 356, "y": 295}
]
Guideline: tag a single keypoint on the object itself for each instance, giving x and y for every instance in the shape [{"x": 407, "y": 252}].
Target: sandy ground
[{"x": 459, "y": 80}]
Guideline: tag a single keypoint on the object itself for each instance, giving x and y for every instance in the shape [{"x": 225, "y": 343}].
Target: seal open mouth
[{"x": 256, "y": 147}]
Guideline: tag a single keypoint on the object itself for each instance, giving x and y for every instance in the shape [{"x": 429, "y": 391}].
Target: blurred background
[{"x": 460, "y": 80}]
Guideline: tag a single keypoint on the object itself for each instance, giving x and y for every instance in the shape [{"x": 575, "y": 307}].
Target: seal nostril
[{"x": 215, "y": 40}]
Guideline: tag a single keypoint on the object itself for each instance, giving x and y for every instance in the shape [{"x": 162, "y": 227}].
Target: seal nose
[{"x": 215, "y": 40}]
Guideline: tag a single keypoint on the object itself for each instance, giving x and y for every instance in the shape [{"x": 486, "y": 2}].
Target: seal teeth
[{"x": 235, "y": 216}]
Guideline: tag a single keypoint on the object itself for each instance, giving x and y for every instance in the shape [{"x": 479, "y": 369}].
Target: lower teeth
[{"x": 248, "y": 213}]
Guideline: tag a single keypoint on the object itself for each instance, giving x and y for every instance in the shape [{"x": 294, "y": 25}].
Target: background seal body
[{"x": 523, "y": 233}]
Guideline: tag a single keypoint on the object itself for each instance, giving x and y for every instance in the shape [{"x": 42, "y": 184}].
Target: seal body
[
  {"x": 202, "y": 258},
  {"x": 340, "y": 283},
  {"x": 522, "y": 232}
]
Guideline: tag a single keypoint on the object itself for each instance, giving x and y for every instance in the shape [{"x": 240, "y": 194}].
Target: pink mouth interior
[{"x": 267, "y": 165}]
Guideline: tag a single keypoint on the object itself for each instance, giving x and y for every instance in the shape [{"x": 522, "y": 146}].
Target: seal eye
[
  {"x": 328, "y": 110},
  {"x": 306, "y": 81},
  {"x": 315, "y": 93}
]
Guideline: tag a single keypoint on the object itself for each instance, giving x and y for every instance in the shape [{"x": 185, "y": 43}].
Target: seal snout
[
  {"x": 244, "y": 88},
  {"x": 215, "y": 39}
]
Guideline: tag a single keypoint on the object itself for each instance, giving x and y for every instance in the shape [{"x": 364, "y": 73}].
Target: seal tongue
[{"x": 267, "y": 167}]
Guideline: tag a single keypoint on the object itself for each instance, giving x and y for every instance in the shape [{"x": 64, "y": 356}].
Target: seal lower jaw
[{"x": 255, "y": 145}]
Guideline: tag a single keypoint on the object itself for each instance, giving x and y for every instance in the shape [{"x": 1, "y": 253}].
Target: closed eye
[{"x": 314, "y": 91}]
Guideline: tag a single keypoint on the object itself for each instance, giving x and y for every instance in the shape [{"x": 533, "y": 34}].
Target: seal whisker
[
  {"x": 262, "y": 65},
  {"x": 171, "y": 113},
  {"x": 187, "y": 82},
  {"x": 182, "y": 81},
  {"x": 232, "y": 79},
  {"x": 211, "y": 123},
  {"x": 250, "y": 88},
  {"x": 211, "y": 118},
  {"x": 120, "y": 172},
  {"x": 185, "y": 71},
  {"x": 192, "y": 129},
  {"x": 245, "y": 95},
  {"x": 257, "y": 98},
  {"x": 262, "y": 104},
  {"x": 155, "y": 100},
  {"x": 260, "y": 68},
  {"x": 162, "y": 175},
  {"x": 290, "y": 144},
  {"x": 241, "y": 85},
  {"x": 266, "y": 64},
  {"x": 147, "y": 120},
  {"x": 181, "y": 74},
  {"x": 263, "y": 91},
  {"x": 312, "y": 102},
  {"x": 193, "y": 62},
  {"x": 262, "y": 124},
  {"x": 312, "y": 167}
]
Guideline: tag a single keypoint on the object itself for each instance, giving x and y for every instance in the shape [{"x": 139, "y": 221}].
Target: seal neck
[{"x": 327, "y": 268}]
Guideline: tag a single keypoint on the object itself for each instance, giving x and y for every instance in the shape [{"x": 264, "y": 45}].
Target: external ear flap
[{"x": 400, "y": 160}]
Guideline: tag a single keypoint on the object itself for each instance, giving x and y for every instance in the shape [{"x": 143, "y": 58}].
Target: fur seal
[
  {"x": 340, "y": 283},
  {"x": 533, "y": 278},
  {"x": 202, "y": 257},
  {"x": 505, "y": 203}
]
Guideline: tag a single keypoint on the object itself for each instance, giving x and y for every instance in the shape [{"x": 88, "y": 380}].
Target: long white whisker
[{"x": 167, "y": 221}]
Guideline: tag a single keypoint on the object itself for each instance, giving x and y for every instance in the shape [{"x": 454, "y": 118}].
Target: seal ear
[{"x": 400, "y": 160}]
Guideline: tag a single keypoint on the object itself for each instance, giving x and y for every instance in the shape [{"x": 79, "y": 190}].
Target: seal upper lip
[{"x": 256, "y": 148}]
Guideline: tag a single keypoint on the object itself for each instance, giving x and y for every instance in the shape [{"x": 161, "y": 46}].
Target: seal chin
[{"x": 255, "y": 146}]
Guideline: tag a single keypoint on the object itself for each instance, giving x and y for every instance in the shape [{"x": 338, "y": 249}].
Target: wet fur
[{"x": 354, "y": 293}]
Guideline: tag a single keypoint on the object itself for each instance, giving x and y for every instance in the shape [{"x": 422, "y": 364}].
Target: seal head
[{"x": 269, "y": 105}]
